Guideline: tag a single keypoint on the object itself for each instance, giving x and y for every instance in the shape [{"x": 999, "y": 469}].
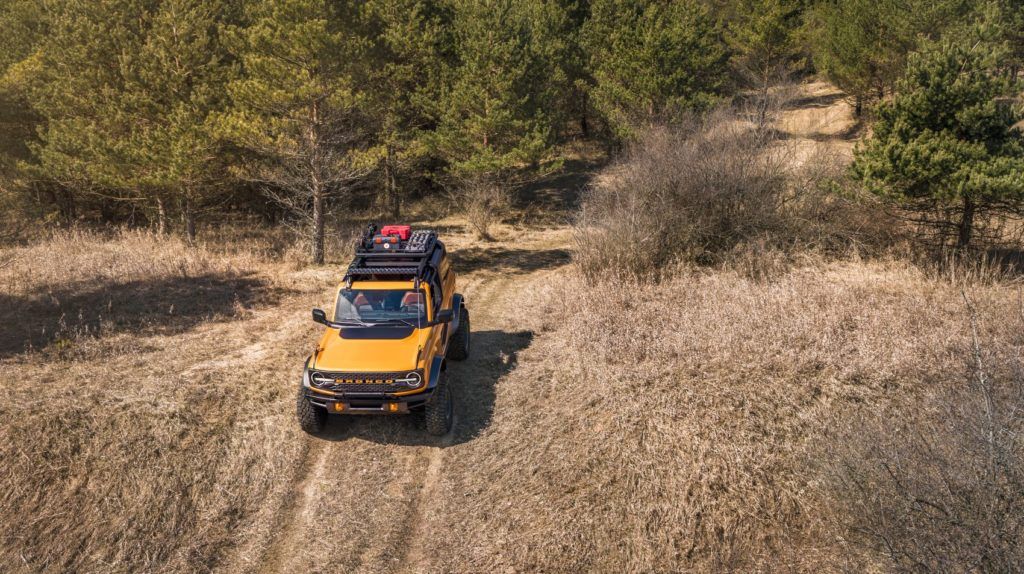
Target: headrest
[{"x": 412, "y": 299}]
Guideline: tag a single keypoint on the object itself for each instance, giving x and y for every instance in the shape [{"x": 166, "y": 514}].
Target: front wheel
[
  {"x": 312, "y": 418},
  {"x": 458, "y": 345},
  {"x": 439, "y": 412}
]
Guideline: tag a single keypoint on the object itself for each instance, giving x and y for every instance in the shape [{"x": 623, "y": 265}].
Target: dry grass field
[
  {"x": 682, "y": 427},
  {"x": 720, "y": 420}
]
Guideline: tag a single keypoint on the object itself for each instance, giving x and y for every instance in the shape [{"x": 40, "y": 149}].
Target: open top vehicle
[{"x": 395, "y": 322}]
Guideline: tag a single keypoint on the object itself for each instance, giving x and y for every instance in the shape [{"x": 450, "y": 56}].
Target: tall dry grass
[
  {"x": 936, "y": 485},
  {"x": 77, "y": 256},
  {"x": 680, "y": 427},
  {"x": 146, "y": 429}
]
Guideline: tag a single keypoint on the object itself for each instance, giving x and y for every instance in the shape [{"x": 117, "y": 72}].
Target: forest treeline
[{"x": 161, "y": 112}]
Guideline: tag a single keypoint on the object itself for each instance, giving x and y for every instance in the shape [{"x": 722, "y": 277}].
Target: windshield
[{"x": 380, "y": 305}]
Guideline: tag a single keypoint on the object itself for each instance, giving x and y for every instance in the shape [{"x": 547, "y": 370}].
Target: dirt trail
[{"x": 365, "y": 489}]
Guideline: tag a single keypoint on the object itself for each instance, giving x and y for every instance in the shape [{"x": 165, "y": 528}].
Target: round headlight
[
  {"x": 316, "y": 378},
  {"x": 412, "y": 380}
]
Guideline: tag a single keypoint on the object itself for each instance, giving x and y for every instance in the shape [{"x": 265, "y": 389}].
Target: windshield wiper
[
  {"x": 360, "y": 323},
  {"x": 353, "y": 323},
  {"x": 402, "y": 321}
]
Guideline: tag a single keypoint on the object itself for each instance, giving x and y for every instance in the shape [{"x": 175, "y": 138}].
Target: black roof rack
[{"x": 391, "y": 256}]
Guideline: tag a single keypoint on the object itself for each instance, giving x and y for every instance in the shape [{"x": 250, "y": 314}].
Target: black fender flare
[
  {"x": 437, "y": 365},
  {"x": 457, "y": 303},
  {"x": 305, "y": 372}
]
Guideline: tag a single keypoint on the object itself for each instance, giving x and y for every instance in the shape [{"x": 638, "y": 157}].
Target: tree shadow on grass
[
  {"x": 474, "y": 383},
  {"x": 161, "y": 306},
  {"x": 1007, "y": 261},
  {"x": 815, "y": 101},
  {"x": 508, "y": 261},
  {"x": 556, "y": 197}
]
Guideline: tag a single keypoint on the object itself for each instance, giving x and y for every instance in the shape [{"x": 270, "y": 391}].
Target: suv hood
[{"x": 356, "y": 353}]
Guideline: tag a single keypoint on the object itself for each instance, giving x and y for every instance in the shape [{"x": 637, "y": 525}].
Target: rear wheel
[
  {"x": 312, "y": 418},
  {"x": 439, "y": 412},
  {"x": 458, "y": 345}
]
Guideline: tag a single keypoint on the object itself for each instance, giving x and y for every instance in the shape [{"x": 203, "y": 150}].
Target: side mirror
[
  {"x": 319, "y": 316},
  {"x": 444, "y": 316}
]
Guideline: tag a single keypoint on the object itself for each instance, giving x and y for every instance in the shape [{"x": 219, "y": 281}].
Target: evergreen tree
[
  {"x": 495, "y": 113},
  {"x": 75, "y": 82},
  {"x": 862, "y": 45},
  {"x": 944, "y": 145},
  {"x": 1010, "y": 17},
  {"x": 404, "y": 74},
  {"x": 24, "y": 25},
  {"x": 173, "y": 92},
  {"x": 501, "y": 107},
  {"x": 296, "y": 107},
  {"x": 126, "y": 89},
  {"x": 762, "y": 38},
  {"x": 651, "y": 61}
]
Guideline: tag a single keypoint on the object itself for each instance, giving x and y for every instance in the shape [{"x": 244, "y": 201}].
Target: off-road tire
[
  {"x": 439, "y": 412},
  {"x": 312, "y": 418},
  {"x": 458, "y": 344}
]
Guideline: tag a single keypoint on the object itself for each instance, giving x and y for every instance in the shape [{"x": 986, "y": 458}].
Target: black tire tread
[
  {"x": 312, "y": 419},
  {"x": 435, "y": 412}
]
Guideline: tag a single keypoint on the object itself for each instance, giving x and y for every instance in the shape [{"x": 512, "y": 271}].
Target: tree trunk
[
  {"x": 391, "y": 184},
  {"x": 318, "y": 226},
  {"x": 66, "y": 206},
  {"x": 188, "y": 218},
  {"x": 161, "y": 216},
  {"x": 762, "y": 106},
  {"x": 966, "y": 226},
  {"x": 584, "y": 125},
  {"x": 858, "y": 106}
]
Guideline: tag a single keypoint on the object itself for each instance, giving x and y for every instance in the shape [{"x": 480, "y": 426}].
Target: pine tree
[
  {"x": 75, "y": 81},
  {"x": 172, "y": 95},
  {"x": 651, "y": 61},
  {"x": 296, "y": 107},
  {"x": 944, "y": 146},
  {"x": 126, "y": 89},
  {"x": 494, "y": 114},
  {"x": 762, "y": 38},
  {"x": 409, "y": 52},
  {"x": 24, "y": 25},
  {"x": 1010, "y": 16},
  {"x": 862, "y": 45},
  {"x": 500, "y": 111}
]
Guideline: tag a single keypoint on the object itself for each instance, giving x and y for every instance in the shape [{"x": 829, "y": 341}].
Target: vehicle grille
[{"x": 359, "y": 382}]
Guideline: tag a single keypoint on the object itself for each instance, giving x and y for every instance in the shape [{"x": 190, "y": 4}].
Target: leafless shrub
[
  {"x": 937, "y": 485},
  {"x": 696, "y": 191},
  {"x": 485, "y": 199}
]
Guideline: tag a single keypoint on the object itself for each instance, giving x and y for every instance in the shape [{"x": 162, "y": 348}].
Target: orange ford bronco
[{"x": 395, "y": 322}]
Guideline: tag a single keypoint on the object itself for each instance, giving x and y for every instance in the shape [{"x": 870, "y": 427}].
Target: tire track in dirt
[
  {"x": 415, "y": 547},
  {"x": 296, "y": 512},
  {"x": 413, "y": 538},
  {"x": 482, "y": 296}
]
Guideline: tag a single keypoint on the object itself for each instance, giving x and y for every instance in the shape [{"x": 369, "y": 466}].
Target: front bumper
[
  {"x": 371, "y": 402},
  {"x": 367, "y": 403}
]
